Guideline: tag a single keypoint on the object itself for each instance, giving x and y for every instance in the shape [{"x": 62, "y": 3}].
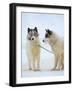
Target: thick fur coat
[
  {"x": 57, "y": 45},
  {"x": 33, "y": 50}
]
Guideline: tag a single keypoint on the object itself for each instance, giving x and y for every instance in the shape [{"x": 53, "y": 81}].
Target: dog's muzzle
[{"x": 32, "y": 39}]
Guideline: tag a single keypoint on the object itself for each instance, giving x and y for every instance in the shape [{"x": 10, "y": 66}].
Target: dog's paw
[
  {"x": 36, "y": 70},
  {"x": 58, "y": 69},
  {"x": 53, "y": 69}
]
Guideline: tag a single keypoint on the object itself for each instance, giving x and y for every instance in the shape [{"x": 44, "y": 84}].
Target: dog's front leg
[
  {"x": 56, "y": 61},
  {"x": 33, "y": 65},
  {"x": 29, "y": 62},
  {"x": 38, "y": 63},
  {"x": 59, "y": 63}
]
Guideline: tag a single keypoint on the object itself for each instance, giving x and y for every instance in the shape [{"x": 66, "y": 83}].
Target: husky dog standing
[
  {"x": 57, "y": 46},
  {"x": 33, "y": 50}
]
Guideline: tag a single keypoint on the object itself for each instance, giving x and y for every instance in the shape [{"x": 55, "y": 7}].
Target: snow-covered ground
[{"x": 42, "y": 73}]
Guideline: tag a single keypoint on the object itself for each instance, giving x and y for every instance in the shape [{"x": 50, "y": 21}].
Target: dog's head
[
  {"x": 32, "y": 34},
  {"x": 48, "y": 35}
]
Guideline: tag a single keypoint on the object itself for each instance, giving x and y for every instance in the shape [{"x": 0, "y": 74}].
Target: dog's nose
[
  {"x": 43, "y": 41},
  {"x": 32, "y": 38}
]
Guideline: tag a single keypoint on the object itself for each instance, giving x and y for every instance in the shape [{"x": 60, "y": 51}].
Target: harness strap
[{"x": 45, "y": 49}]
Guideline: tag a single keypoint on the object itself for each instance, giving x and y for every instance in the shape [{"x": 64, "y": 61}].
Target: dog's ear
[
  {"x": 36, "y": 29},
  {"x": 49, "y": 31},
  {"x": 46, "y": 30},
  {"x": 28, "y": 30}
]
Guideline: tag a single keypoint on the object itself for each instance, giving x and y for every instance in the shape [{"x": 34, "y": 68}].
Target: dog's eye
[
  {"x": 30, "y": 32},
  {"x": 36, "y": 34}
]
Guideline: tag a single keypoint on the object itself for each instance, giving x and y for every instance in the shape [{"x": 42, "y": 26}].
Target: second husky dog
[
  {"x": 33, "y": 50},
  {"x": 57, "y": 45}
]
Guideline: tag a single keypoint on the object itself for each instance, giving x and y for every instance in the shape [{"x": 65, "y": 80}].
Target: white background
[{"x": 4, "y": 44}]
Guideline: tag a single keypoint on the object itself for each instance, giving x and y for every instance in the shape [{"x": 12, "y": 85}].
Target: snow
[{"x": 43, "y": 72}]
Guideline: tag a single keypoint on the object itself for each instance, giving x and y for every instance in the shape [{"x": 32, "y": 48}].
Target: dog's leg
[
  {"x": 33, "y": 65},
  {"x": 59, "y": 66},
  {"x": 59, "y": 63},
  {"x": 38, "y": 63},
  {"x": 62, "y": 66},
  {"x": 29, "y": 62},
  {"x": 56, "y": 61}
]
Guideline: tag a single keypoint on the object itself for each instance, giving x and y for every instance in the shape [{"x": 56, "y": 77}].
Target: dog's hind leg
[
  {"x": 62, "y": 68},
  {"x": 59, "y": 63},
  {"x": 33, "y": 65}
]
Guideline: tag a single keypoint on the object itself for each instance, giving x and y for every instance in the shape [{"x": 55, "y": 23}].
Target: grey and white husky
[{"x": 33, "y": 50}]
